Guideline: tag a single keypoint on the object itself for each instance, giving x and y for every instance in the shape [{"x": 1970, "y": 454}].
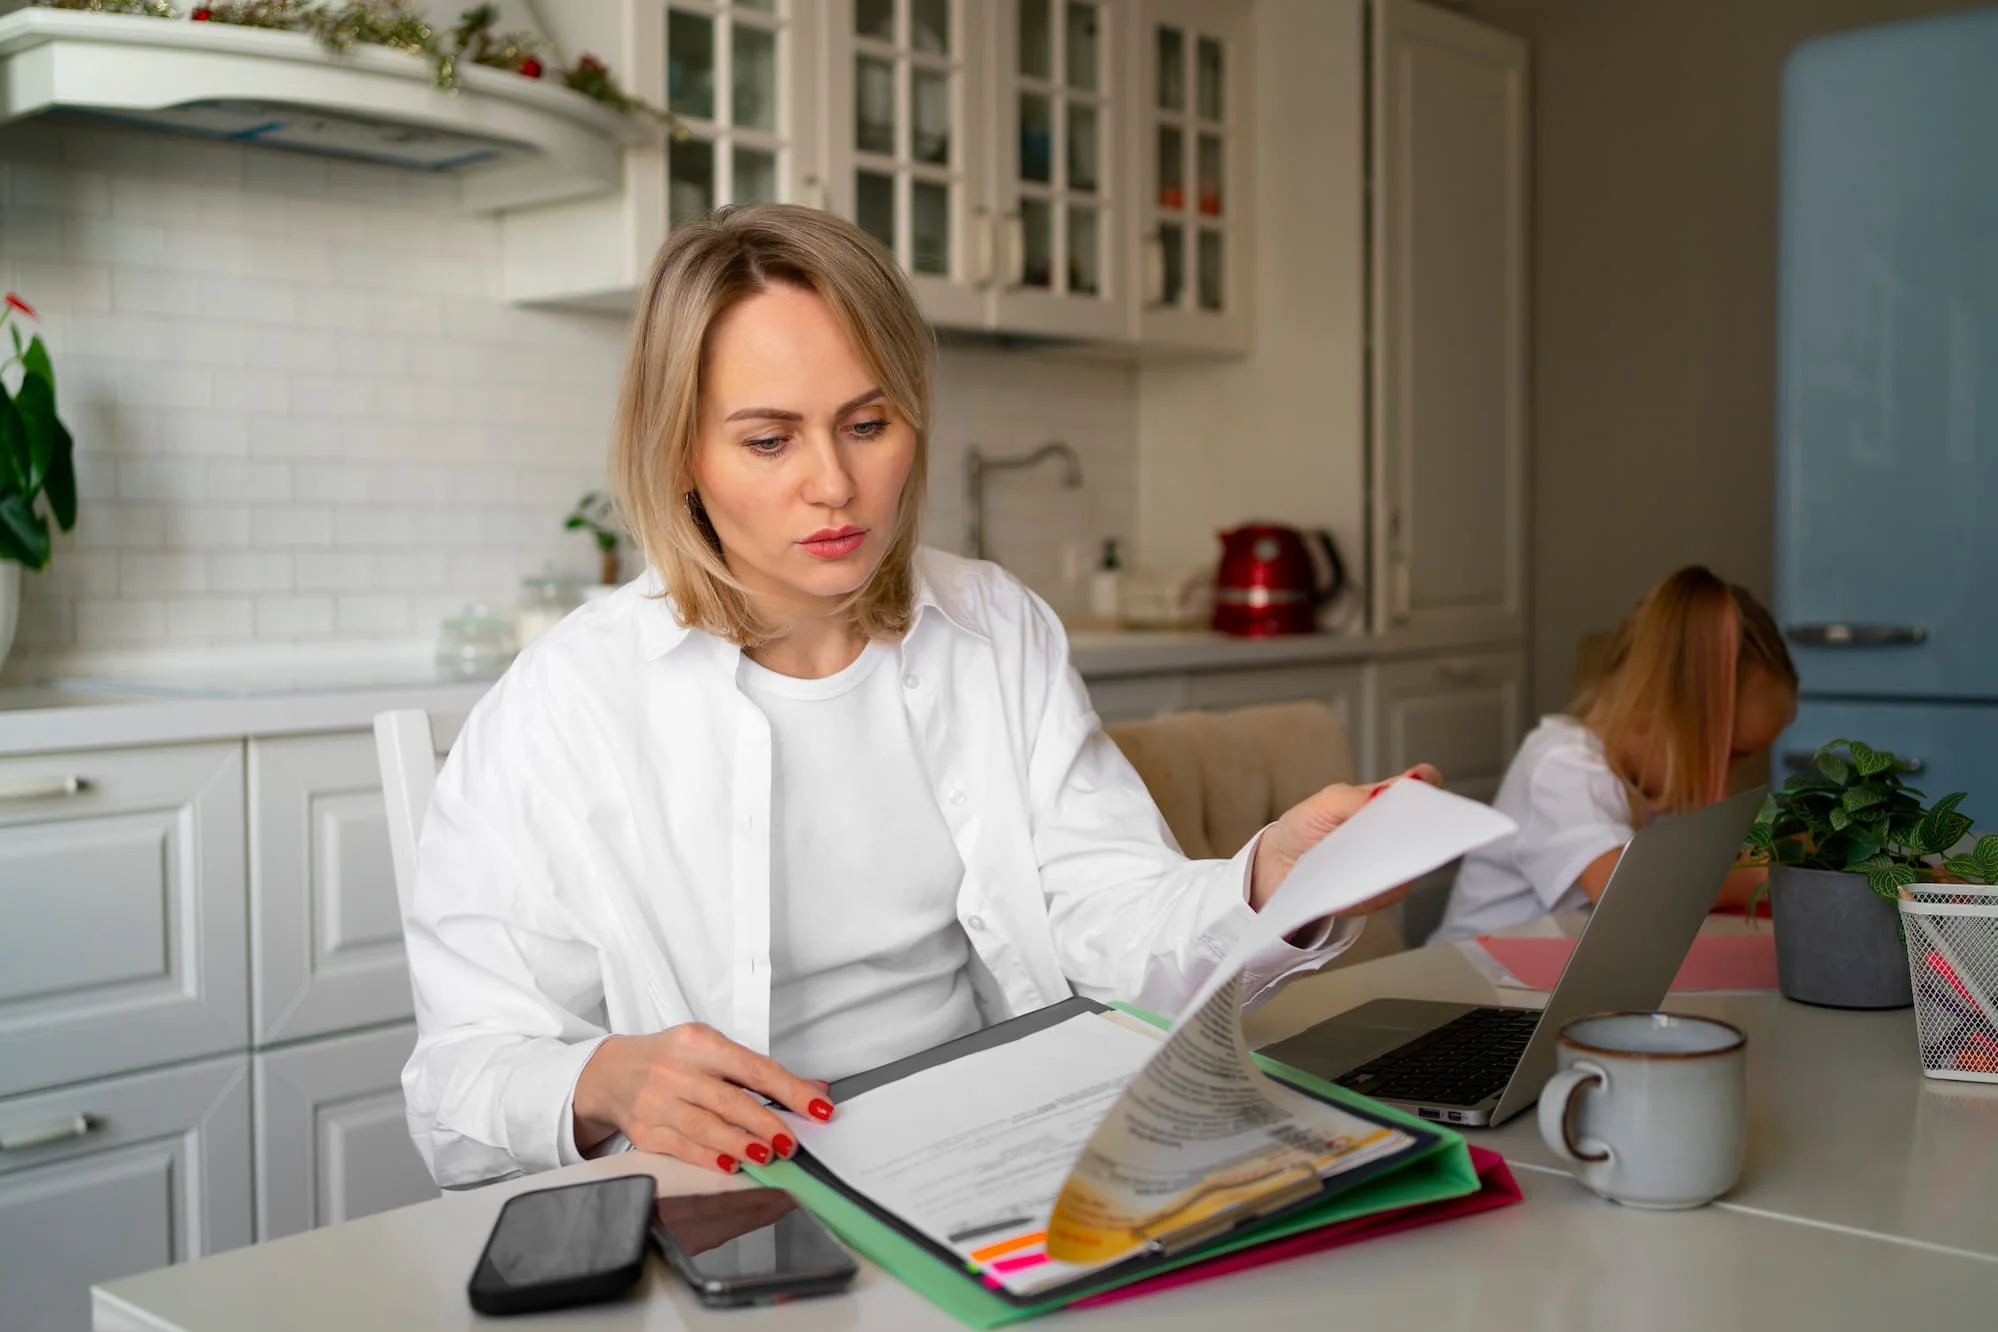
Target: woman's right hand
[{"x": 685, "y": 1092}]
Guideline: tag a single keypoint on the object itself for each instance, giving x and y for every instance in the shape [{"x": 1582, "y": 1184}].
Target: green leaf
[
  {"x": 1942, "y": 827},
  {"x": 1760, "y": 839},
  {"x": 60, "y": 484},
  {"x": 35, "y": 360},
  {"x": 1840, "y": 820},
  {"x": 1871, "y": 762},
  {"x": 1834, "y": 767},
  {"x": 36, "y": 405},
  {"x": 1861, "y": 845},
  {"x": 26, "y": 533},
  {"x": 1889, "y": 881},
  {"x": 1857, "y": 798},
  {"x": 13, "y": 446}
]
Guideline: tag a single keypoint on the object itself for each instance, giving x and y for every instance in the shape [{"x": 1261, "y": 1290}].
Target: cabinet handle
[
  {"x": 1804, "y": 760},
  {"x": 42, "y": 788},
  {"x": 41, "y": 1135},
  {"x": 1857, "y": 635},
  {"x": 1016, "y": 252}
]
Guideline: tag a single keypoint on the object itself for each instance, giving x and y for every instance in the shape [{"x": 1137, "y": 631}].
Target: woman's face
[{"x": 800, "y": 461}]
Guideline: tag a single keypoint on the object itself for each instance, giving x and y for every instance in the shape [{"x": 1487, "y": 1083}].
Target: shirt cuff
[
  {"x": 545, "y": 1145},
  {"x": 1288, "y": 958}
]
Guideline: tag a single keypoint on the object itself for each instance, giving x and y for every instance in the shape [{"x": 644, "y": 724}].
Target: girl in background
[{"x": 1695, "y": 679}]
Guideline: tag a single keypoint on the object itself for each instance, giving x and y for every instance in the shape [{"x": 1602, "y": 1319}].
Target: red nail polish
[
  {"x": 758, "y": 1153},
  {"x": 727, "y": 1163},
  {"x": 782, "y": 1142},
  {"x": 821, "y": 1110},
  {"x": 1377, "y": 790}
]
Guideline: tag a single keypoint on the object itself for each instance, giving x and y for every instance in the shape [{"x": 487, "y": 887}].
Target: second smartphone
[{"x": 749, "y": 1246}]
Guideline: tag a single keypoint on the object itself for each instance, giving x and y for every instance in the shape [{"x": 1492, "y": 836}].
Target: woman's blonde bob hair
[{"x": 703, "y": 270}]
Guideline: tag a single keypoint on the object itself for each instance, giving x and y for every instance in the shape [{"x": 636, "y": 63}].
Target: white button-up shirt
[{"x": 596, "y": 858}]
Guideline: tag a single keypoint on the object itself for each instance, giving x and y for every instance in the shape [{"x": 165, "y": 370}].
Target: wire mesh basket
[{"x": 1952, "y": 936}]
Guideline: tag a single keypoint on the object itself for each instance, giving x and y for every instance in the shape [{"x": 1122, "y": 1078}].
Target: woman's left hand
[{"x": 1305, "y": 824}]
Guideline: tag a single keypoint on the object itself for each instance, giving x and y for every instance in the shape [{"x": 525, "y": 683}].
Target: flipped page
[{"x": 1051, "y": 1158}]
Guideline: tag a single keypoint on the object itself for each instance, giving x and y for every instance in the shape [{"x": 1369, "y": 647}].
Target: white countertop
[
  {"x": 184, "y": 697},
  {"x": 1870, "y": 1199}
]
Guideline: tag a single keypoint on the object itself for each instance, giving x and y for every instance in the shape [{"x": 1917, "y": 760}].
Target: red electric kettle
[{"x": 1268, "y": 582}]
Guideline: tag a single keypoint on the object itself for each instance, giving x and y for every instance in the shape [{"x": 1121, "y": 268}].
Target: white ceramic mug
[{"x": 1651, "y": 1109}]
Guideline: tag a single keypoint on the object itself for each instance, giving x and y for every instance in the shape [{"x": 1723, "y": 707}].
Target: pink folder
[
  {"x": 1497, "y": 1188},
  {"x": 1715, "y": 961}
]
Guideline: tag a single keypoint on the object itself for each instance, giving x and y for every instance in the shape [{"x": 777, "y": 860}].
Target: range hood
[{"x": 508, "y": 140}]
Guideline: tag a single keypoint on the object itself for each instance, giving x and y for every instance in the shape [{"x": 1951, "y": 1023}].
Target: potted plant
[
  {"x": 1841, "y": 842},
  {"x": 35, "y": 463},
  {"x": 593, "y": 514}
]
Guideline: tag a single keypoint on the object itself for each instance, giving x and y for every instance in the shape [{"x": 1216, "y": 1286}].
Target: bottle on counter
[
  {"x": 1105, "y": 586},
  {"x": 544, "y": 599}
]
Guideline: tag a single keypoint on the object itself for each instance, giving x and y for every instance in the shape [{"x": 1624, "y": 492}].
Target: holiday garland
[{"x": 341, "y": 26}]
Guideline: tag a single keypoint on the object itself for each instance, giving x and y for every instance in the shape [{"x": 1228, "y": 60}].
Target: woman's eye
[
  {"x": 868, "y": 429},
  {"x": 768, "y": 444}
]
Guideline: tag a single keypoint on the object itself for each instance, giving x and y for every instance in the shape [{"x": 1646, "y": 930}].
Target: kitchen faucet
[{"x": 976, "y": 465}]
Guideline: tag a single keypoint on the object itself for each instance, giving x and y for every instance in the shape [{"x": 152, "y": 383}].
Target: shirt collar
[{"x": 660, "y": 630}]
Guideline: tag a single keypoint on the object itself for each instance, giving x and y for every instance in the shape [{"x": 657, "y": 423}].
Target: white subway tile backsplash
[
  {"x": 291, "y": 525},
  {"x": 144, "y": 573},
  {"x": 210, "y": 619},
  {"x": 372, "y": 615},
  {"x": 302, "y": 412},
  {"x": 250, "y": 571},
  {"x": 294, "y": 617},
  {"x": 114, "y": 622}
]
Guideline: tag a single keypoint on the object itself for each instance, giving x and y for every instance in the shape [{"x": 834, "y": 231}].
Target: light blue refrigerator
[{"x": 1887, "y": 450}]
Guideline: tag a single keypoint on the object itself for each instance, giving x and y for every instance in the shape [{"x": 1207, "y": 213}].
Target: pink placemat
[{"x": 1715, "y": 961}]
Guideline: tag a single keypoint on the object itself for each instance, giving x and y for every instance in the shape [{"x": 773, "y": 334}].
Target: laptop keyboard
[{"x": 1462, "y": 1062}]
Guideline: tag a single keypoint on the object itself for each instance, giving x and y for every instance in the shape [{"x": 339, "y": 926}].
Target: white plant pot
[{"x": 10, "y": 605}]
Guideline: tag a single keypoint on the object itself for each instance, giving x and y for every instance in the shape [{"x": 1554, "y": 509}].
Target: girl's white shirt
[{"x": 596, "y": 858}]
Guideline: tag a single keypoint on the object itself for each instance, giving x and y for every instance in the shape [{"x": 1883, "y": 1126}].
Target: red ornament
[
  {"x": 202, "y": 15},
  {"x": 531, "y": 67}
]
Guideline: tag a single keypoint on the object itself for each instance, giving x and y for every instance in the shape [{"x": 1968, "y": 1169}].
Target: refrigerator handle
[
  {"x": 1803, "y": 760},
  {"x": 1857, "y": 635}
]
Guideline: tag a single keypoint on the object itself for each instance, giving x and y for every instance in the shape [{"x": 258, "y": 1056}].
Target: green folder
[{"x": 1441, "y": 1171}]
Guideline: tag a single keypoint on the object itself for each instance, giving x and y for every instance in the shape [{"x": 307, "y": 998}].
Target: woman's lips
[{"x": 834, "y": 543}]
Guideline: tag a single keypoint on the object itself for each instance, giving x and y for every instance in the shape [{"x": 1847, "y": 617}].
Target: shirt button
[
  {"x": 911, "y": 680},
  {"x": 976, "y": 922},
  {"x": 759, "y": 964},
  {"x": 955, "y": 795}
]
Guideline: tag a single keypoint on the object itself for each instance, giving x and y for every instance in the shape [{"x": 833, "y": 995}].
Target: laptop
[{"x": 1476, "y": 1065}]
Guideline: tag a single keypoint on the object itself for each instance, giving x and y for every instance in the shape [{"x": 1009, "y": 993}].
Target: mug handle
[{"x": 1558, "y": 1101}]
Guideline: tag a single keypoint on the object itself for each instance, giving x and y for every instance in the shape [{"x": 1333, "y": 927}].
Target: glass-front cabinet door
[
  {"x": 732, "y": 82},
  {"x": 1057, "y": 196},
  {"x": 904, "y": 148},
  {"x": 1192, "y": 166}
]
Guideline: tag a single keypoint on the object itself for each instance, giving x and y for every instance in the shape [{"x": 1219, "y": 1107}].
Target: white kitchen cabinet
[
  {"x": 1189, "y": 172},
  {"x": 326, "y": 932},
  {"x": 1061, "y": 200},
  {"x": 1340, "y": 686},
  {"x": 105, "y": 1179},
  {"x": 1462, "y": 712},
  {"x": 332, "y": 1140},
  {"x": 1448, "y": 261},
  {"x": 742, "y": 79},
  {"x": 122, "y": 897}
]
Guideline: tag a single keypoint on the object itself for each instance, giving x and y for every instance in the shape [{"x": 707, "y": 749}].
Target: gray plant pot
[{"x": 1837, "y": 944}]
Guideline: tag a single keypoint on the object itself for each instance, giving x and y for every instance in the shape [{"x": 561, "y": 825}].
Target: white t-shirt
[
  {"x": 867, "y": 959},
  {"x": 1570, "y": 808}
]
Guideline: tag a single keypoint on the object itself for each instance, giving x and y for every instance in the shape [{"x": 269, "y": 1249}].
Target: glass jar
[
  {"x": 544, "y": 599},
  {"x": 474, "y": 644}
]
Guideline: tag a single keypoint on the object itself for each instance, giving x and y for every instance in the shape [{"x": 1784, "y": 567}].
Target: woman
[
  {"x": 1696, "y": 679},
  {"x": 802, "y": 799}
]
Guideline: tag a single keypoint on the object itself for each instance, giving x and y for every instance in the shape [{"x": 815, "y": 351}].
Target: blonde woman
[{"x": 802, "y": 799}]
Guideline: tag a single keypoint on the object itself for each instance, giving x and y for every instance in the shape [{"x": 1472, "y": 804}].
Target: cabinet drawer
[
  {"x": 326, "y": 933},
  {"x": 130, "y": 1174},
  {"x": 1136, "y": 697},
  {"x": 1460, "y": 712},
  {"x": 332, "y": 1140},
  {"x": 122, "y": 893}
]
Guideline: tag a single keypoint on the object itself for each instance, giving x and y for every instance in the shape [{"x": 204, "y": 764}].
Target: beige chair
[{"x": 1218, "y": 777}]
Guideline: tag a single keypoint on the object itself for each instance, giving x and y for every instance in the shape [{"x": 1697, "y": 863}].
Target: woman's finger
[
  {"x": 1423, "y": 772},
  {"x": 661, "y": 1140},
  {"x": 760, "y": 1073},
  {"x": 691, "y": 1118},
  {"x": 732, "y": 1105}
]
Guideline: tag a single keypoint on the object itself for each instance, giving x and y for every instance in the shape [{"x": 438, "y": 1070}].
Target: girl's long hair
[{"x": 1664, "y": 702}]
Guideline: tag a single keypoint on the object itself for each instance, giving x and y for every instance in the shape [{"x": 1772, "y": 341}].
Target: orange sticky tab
[{"x": 1004, "y": 1247}]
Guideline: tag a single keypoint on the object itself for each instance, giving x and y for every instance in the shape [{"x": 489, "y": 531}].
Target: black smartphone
[
  {"x": 749, "y": 1246},
  {"x": 555, "y": 1248}
]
